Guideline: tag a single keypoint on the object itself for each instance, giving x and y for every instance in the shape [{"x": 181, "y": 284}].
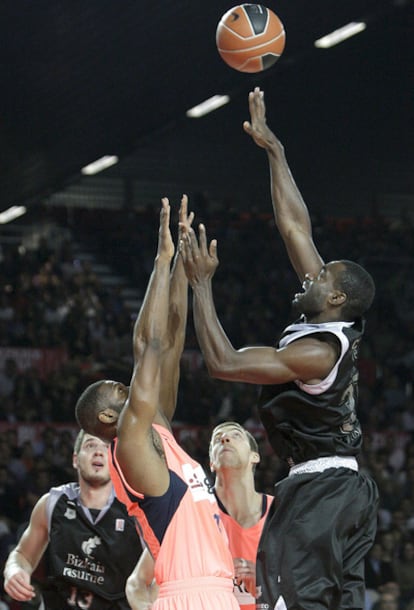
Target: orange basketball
[{"x": 250, "y": 38}]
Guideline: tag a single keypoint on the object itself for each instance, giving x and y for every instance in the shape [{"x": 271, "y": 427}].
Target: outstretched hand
[
  {"x": 200, "y": 262},
  {"x": 257, "y": 127}
]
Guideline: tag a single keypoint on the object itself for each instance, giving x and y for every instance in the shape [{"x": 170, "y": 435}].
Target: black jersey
[
  {"x": 90, "y": 553},
  {"x": 304, "y": 422}
]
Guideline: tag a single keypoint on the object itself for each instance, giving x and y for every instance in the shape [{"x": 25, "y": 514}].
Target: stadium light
[
  {"x": 212, "y": 103},
  {"x": 12, "y": 213},
  {"x": 337, "y": 36},
  {"x": 99, "y": 165}
]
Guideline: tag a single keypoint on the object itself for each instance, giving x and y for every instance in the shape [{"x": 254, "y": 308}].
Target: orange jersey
[
  {"x": 182, "y": 528},
  {"x": 243, "y": 542}
]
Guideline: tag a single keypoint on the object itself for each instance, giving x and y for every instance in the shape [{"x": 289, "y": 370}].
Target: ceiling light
[
  {"x": 12, "y": 213},
  {"x": 208, "y": 106},
  {"x": 338, "y": 36},
  {"x": 99, "y": 165}
]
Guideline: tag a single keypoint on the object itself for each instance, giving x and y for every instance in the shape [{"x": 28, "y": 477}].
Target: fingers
[
  {"x": 165, "y": 214},
  {"x": 19, "y": 589},
  {"x": 245, "y": 572},
  {"x": 258, "y": 98},
  {"x": 185, "y": 243},
  {"x": 251, "y": 103},
  {"x": 185, "y": 218},
  {"x": 193, "y": 248},
  {"x": 200, "y": 262},
  {"x": 243, "y": 567},
  {"x": 193, "y": 244},
  {"x": 203, "y": 239},
  {"x": 165, "y": 211},
  {"x": 256, "y": 104},
  {"x": 183, "y": 208},
  {"x": 213, "y": 249},
  {"x": 165, "y": 242}
]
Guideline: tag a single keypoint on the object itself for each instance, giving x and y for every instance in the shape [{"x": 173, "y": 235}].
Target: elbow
[{"x": 214, "y": 370}]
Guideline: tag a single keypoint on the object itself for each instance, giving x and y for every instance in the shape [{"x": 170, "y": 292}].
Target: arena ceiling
[{"x": 83, "y": 79}]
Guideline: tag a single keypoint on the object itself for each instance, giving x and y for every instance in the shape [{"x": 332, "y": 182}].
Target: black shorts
[{"x": 317, "y": 533}]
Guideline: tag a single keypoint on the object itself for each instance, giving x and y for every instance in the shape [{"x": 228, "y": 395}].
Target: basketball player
[
  {"x": 158, "y": 482},
  {"x": 82, "y": 530},
  {"x": 234, "y": 455},
  {"x": 323, "y": 519}
]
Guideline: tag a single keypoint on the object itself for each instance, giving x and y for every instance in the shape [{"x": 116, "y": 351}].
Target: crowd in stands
[{"x": 51, "y": 299}]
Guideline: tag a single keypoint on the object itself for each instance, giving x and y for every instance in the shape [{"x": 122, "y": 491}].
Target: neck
[
  {"x": 94, "y": 497},
  {"x": 237, "y": 493}
]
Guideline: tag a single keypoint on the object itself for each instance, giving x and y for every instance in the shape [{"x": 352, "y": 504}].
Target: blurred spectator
[
  {"x": 386, "y": 601},
  {"x": 377, "y": 571},
  {"x": 53, "y": 297},
  {"x": 8, "y": 377},
  {"x": 404, "y": 572}
]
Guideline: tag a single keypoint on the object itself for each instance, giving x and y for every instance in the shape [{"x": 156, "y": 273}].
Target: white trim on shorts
[{"x": 323, "y": 463}]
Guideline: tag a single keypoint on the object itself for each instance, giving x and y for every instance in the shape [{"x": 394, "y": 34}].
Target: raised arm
[
  {"x": 24, "y": 559},
  {"x": 145, "y": 319},
  {"x": 177, "y": 322},
  {"x": 306, "y": 359},
  {"x": 290, "y": 211},
  {"x": 143, "y": 465}
]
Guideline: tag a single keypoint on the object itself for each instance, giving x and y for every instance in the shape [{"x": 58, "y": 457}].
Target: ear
[
  {"x": 212, "y": 468},
  {"x": 75, "y": 461},
  {"x": 255, "y": 457},
  {"x": 337, "y": 298},
  {"x": 108, "y": 416}
]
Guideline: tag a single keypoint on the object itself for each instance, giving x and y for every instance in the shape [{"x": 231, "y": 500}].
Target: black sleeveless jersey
[
  {"x": 89, "y": 557},
  {"x": 304, "y": 422}
]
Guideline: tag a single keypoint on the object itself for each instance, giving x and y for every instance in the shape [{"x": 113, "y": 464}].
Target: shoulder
[
  {"x": 71, "y": 490},
  {"x": 39, "y": 516}
]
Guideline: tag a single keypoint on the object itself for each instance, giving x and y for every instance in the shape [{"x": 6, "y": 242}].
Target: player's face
[
  {"x": 316, "y": 290},
  {"x": 91, "y": 462},
  {"x": 229, "y": 448}
]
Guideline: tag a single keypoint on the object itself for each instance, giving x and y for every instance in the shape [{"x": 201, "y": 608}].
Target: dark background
[{"x": 82, "y": 79}]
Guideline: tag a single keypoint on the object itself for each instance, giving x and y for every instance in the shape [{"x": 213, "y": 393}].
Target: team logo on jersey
[
  {"x": 90, "y": 545},
  {"x": 119, "y": 525},
  {"x": 355, "y": 349},
  {"x": 195, "y": 479},
  {"x": 70, "y": 513}
]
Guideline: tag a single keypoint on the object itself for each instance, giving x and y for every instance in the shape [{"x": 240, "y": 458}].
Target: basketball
[{"x": 250, "y": 38}]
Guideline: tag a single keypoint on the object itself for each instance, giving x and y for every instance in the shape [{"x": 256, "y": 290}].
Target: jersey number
[{"x": 79, "y": 599}]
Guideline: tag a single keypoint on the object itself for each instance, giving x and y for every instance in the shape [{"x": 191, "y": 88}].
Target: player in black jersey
[
  {"x": 82, "y": 530},
  {"x": 323, "y": 519}
]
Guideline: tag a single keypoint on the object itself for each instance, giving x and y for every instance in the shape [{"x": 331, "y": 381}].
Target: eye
[{"x": 90, "y": 446}]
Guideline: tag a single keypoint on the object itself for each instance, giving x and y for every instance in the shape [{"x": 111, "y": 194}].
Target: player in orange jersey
[
  {"x": 158, "y": 482},
  {"x": 234, "y": 454}
]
